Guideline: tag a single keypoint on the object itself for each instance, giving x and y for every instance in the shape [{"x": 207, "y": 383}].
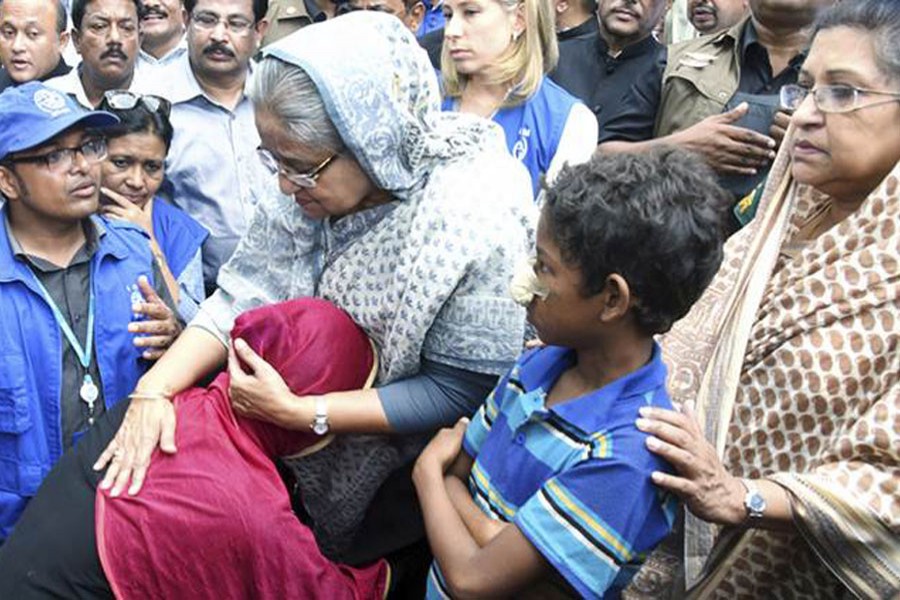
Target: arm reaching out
[
  {"x": 728, "y": 148},
  {"x": 150, "y": 419}
]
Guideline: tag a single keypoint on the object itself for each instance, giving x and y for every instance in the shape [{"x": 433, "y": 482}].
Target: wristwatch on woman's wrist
[
  {"x": 754, "y": 503},
  {"x": 319, "y": 424}
]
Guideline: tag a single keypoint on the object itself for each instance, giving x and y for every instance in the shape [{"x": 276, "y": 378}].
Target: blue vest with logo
[
  {"x": 533, "y": 129},
  {"x": 31, "y": 357},
  {"x": 179, "y": 236}
]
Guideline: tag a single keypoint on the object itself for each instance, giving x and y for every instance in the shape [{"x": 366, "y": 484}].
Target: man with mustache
[
  {"x": 213, "y": 165},
  {"x": 79, "y": 318},
  {"x": 617, "y": 70},
  {"x": 712, "y": 16},
  {"x": 162, "y": 34},
  {"x": 32, "y": 38},
  {"x": 106, "y": 33}
]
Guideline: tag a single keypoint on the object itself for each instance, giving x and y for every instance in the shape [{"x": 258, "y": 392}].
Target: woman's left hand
[
  {"x": 120, "y": 207},
  {"x": 708, "y": 490},
  {"x": 258, "y": 391}
]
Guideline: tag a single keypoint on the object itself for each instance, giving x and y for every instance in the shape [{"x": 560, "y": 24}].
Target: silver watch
[
  {"x": 753, "y": 502},
  {"x": 320, "y": 421}
]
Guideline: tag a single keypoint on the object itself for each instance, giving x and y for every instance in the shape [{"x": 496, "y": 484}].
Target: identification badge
[{"x": 89, "y": 391}]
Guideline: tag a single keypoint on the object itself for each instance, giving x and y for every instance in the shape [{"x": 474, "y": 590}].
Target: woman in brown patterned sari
[{"x": 787, "y": 445}]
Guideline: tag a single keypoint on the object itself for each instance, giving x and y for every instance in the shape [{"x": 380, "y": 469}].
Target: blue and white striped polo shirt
[{"x": 574, "y": 478}]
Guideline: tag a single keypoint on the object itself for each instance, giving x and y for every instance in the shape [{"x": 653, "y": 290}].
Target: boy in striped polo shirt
[{"x": 548, "y": 488}]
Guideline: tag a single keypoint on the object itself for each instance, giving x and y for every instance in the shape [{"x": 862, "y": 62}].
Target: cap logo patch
[{"x": 50, "y": 102}]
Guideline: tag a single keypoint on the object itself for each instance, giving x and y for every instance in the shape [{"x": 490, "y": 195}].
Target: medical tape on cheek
[{"x": 525, "y": 285}]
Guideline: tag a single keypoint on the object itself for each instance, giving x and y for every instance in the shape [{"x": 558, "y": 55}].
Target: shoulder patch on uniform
[{"x": 697, "y": 60}]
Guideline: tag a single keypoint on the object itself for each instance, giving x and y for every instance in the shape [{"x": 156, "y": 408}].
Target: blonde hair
[{"x": 524, "y": 62}]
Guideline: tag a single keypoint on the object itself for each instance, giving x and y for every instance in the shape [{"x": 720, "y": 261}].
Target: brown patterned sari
[{"x": 793, "y": 358}]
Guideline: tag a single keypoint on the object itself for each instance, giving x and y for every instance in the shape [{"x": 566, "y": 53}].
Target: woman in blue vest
[
  {"x": 494, "y": 63},
  {"x": 133, "y": 173}
]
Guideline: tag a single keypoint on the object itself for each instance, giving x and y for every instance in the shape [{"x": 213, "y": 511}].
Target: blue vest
[
  {"x": 31, "y": 357},
  {"x": 533, "y": 129},
  {"x": 179, "y": 236}
]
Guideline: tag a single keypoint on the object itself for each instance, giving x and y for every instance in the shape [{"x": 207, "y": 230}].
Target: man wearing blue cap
[{"x": 71, "y": 284}]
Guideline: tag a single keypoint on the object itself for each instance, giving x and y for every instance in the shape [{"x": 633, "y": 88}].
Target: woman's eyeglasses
[
  {"x": 306, "y": 180},
  {"x": 60, "y": 160},
  {"x": 832, "y": 98},
  {"x": 125, "y": 100}
]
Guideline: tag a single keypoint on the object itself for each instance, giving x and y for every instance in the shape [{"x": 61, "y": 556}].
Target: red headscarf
[
  {"x": 315, "y": 347},
  {"x": 214, "y": 520}
]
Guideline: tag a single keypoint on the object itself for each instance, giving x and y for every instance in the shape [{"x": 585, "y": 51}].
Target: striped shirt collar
[{"x": 543, "y": 369}]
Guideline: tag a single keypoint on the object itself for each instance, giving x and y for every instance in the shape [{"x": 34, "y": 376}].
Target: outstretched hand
[
  {"x": 148, "y": 422},
  {"x": 159, "y": 328}
]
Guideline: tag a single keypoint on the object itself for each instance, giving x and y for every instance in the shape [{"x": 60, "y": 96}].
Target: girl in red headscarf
[{"x": 214, "y": 520}]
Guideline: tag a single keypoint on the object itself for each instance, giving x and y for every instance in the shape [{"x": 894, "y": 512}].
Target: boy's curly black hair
[{"x": 657, "y": 219}]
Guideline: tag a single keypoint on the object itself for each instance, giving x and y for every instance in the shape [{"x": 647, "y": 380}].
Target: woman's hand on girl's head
[
  {"x": 257, "y": 390},
  {"x": 118, "y": 206},
  {"x": 702, "y": 482}
]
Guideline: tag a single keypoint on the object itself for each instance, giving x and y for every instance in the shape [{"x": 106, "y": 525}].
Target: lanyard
[
  {"x": 83, "y": 354},
  {"x": 88, "y": 392}
]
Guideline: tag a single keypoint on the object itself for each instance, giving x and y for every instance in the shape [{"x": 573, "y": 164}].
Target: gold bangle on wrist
[{"x": 149, "y": 396}]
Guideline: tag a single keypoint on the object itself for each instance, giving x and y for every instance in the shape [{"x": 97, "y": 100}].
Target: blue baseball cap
[{"x": 32, "y": 113}]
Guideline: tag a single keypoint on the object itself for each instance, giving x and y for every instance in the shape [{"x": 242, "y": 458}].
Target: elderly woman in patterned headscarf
[
  {"x": 789, "y": 368},
  {"x": 409, "y": 219}
]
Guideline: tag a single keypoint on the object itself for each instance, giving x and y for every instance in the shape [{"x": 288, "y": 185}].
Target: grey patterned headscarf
[
  {"x": 425, "y": 276},
  {"x": 382, "y": 95}
]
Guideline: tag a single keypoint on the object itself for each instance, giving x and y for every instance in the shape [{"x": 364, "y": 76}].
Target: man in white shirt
[
  {"x": 162, "y": 34},
  {"x": 213, "y": 166},
  {"x": 106, "y": 34}
]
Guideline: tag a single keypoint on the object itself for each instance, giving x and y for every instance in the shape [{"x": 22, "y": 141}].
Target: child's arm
[
  {"x": 504, "y": 565},
  {"x": 482, "y": 527}
]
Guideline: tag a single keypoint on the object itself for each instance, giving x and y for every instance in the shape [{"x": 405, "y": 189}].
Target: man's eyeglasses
[
  {"x": 306, "y": 180},
  {"x": 60, "y": 160},
  {"x": 832, "y": 98},
  {"x": 209, "y": 20},
  {"x": 125, "y": 100}
]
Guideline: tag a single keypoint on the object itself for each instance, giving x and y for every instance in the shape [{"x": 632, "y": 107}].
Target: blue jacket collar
[{"x": 12, "y": 269}]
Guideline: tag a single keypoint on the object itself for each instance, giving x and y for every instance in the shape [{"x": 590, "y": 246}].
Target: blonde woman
[{"x": 494, "y": 63}]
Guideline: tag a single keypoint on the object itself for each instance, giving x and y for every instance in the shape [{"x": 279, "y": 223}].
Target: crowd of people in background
[{"x": 450, "y": 298}]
